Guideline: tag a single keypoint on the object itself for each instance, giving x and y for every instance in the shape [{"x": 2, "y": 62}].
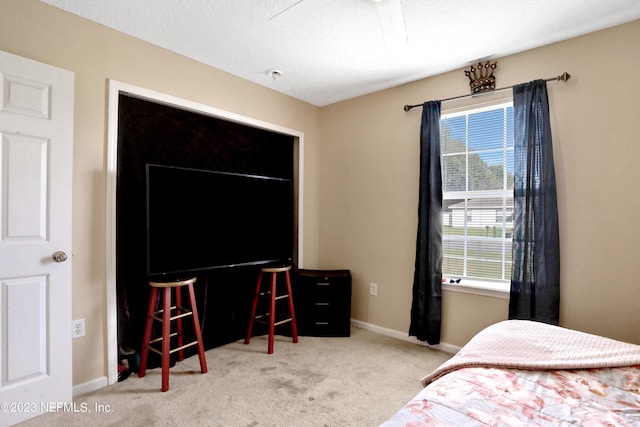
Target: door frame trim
[{"x": 115, "y": 88}]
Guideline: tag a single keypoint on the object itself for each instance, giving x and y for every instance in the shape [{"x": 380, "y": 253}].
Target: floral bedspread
[
  {"x": 517, "y": 373},
  {"x": 511, "y": 397}
]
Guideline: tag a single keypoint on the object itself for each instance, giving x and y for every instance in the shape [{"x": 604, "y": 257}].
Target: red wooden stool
[
  {"x": 270, "y": 294},
  {"x": 166, "y": 315}
]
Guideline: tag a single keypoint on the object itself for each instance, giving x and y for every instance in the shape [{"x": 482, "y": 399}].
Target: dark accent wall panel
[{"x": 150, "y": 132}]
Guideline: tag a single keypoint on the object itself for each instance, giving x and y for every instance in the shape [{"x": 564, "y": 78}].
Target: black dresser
[{"x": 322, "y": 300}]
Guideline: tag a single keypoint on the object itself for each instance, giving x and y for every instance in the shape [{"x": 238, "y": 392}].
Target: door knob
[{"x": 59, "y": 256}]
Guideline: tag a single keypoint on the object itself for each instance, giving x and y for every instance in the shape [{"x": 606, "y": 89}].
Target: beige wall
[
  {"x": 361, "y": 171},
  {"x": 95, "y": 54},
  {"x": 368, "y": 201}
]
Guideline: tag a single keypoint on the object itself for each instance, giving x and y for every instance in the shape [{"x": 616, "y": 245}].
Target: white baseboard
[
  {"x": 89, "y": 386},
  {"x": 447, "y": 348}
]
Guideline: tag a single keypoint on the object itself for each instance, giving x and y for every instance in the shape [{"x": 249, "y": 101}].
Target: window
[{"x": 477, "y": 180}]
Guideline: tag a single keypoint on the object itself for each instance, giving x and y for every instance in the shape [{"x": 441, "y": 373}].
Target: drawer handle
[
  {"x": 322, "y": 323},
  {"x": 322, "y": 303},
  {"x": 323, "y": 283}
]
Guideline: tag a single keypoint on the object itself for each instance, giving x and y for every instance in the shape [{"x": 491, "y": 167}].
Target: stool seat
[
  {"x": 167, "y": 315},
  {"x": 173, "y": 284},
  {"x": 271, "y": 296},
  {"x": 275, "y": 269}
]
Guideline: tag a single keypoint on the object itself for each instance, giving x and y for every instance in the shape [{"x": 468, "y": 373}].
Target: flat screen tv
[{"x": 200, "y": 220}]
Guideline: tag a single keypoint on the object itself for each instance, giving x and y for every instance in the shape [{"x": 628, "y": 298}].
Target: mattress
[{"x": 519, "y": 373}]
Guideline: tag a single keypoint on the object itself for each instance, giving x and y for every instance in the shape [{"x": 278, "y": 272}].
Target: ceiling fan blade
[
  {"x": 392, "y": 22},
  {"x": 298, "y": 10}
]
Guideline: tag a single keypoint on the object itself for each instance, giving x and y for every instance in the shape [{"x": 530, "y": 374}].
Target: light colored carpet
[{"x": 356, "y": 381}]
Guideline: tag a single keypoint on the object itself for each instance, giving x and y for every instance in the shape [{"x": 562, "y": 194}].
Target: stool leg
[
  {"x": 144, "y": 356},
  {"x": 254, "y": 306},
  {"x": 179, "y": 322},
  {"x": 294, "y": 328},
  {"x": 196, "y": 329},
  {"x": 272, "y": 312},
  {"x": 166, "y": 337}
]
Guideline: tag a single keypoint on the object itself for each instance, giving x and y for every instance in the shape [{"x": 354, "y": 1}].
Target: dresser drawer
[{"x": 323, "y": 302}]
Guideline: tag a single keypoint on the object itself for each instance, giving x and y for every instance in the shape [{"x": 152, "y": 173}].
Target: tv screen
[{"x": 200, "y": 220}]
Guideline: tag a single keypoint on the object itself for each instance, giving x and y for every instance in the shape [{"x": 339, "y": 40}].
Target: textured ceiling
[{"x": 332, "y": 50}]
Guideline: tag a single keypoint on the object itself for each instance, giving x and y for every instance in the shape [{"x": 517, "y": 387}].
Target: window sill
[{"x": 478, "y": 287}]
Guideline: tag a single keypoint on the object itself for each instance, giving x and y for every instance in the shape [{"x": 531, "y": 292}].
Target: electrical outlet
[
  {"x": 77, "y": 328},
  {"x": 373, "y": 289}
]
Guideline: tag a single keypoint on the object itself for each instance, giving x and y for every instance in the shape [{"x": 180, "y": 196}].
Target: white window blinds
[{"x": 477, "y": 179}]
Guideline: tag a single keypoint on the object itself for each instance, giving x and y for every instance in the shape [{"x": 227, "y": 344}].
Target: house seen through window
[{"x": 477, "y": 179}]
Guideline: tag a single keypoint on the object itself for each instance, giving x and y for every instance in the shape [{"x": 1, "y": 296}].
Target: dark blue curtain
[
  {"x": 535, "y": 277},
  {"x": 426, "y": 308}
]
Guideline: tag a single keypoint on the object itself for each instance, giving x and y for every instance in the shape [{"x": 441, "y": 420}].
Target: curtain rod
[{"x": 561, "y": 78}]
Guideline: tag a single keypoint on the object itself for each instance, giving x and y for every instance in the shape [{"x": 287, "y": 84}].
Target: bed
[{"x": 519, "y": 372}]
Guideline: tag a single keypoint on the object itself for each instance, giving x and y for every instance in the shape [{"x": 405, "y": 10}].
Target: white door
[{"x": 36, "y": 146}]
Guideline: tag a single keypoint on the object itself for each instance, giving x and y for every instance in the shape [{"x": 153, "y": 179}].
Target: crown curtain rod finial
[
  {"x": 481, "y": 78},
  {"x": 561, "y": 78}
]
